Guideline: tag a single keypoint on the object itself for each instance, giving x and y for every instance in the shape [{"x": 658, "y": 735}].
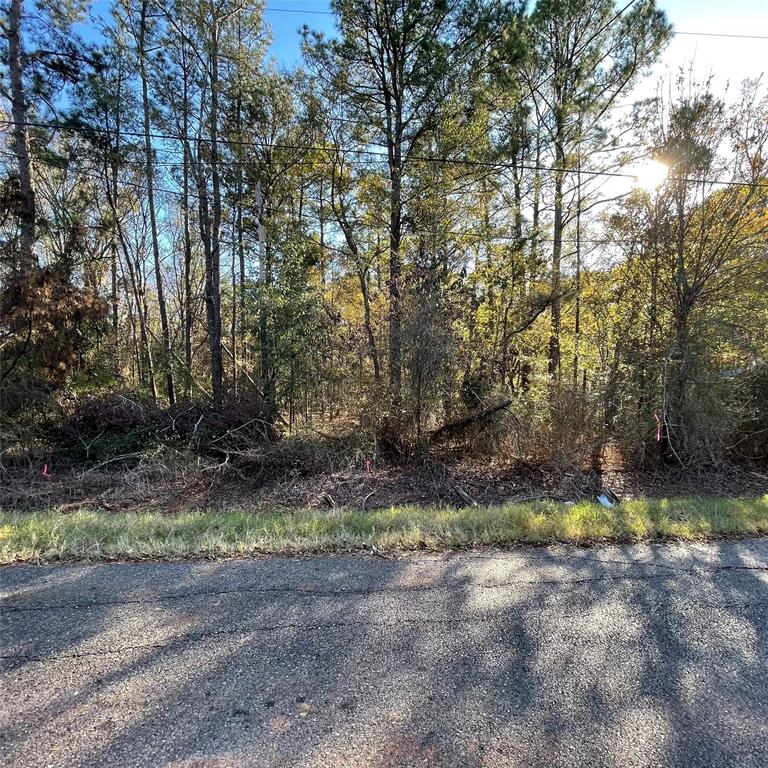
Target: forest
[{"x": 451, "y": 233}]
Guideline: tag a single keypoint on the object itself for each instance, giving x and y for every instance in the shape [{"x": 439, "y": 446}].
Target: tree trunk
[
  {"x": 675, "y": 418},
  {"x": 27, "y": 214},
  {"x": 186, "y": 305},
  {"x": 557, "y": 250},
  {"x": 164, "y": 327},
  {"x": 577, "y": 308},
  {"x": 115, "y": 234},
  {"x": 112, "y": 190},
  {"x": 213, "y": 262},
  {"x": 395, "y": 269},
  {"x": 113, "y": 275},
  {"x": 233, "y": 314},
  {"x": 241, "y": 287},
  {"x": 364, "y": 289},
  {"x": 137, "y": 291},
  {"x": 321, "y": 219},
  {"x": 518, "y": 197},
  {"x": 265, "y": 279},
  {"x": 187, "y": 310},
  {"x": 611, "y": 389},
  {"x": 238, "y": 252},
  {"x": 138, "y": 374},
  {"x": 536, "y": 207}
]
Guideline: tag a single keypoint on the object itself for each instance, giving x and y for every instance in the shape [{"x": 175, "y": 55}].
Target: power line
[
  {"x": 488, "y": 236},
  {"x": 298, "y": 10},
  {"x": 419, "y": 158},
  {"x": 536, "y": 86},
  {"x": 448, "y": 233},
  {"x": 722, "y": 34},
  {"x": 271, "y": 9},
  {"x": 381, "y": 154}
]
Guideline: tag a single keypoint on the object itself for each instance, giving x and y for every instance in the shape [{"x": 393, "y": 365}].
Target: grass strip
[{"x": 88, "y": 535}]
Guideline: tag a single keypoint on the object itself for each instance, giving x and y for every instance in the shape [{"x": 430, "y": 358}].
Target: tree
[
  {"x": 56, "y": 59},
  {"x": 19, "y": 113},
  {"x": 395, "y": 66},
  {"x": 586, "y": 54},
  {"x": 715, "y": 233},
  {"x": 141, "y": 46},
  {"x": 699, "y": 238},
  {"x": 368, "y": 242}
]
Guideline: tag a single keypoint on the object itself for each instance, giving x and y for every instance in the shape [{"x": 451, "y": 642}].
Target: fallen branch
[
  {"x": 465, "y": 497},
  {"x": 112, "y": 461},
  {"x": 236, "y": 429},
  {"x": 366, "y": 499},
  {"x": 455, "y": 428},
  {"x": 258, "y": 389}
]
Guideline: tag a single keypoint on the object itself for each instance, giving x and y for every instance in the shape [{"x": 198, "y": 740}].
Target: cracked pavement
[{"x": 614, "y": 656}]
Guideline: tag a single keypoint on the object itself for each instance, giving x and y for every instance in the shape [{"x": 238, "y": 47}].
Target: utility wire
[
  {"x": 431, "y": 232},
  {"x": 199, "y": 139},
  {"x": 722, "y": 34},
  {"x": 298, "y": 10},
  {"x": 381, "y": 154},
  {"x": 271, "y": 9},
  {"x": 384, "y": 155}
]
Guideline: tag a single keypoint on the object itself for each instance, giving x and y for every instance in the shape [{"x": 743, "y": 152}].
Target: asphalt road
[{"x": 620, "y": 656}]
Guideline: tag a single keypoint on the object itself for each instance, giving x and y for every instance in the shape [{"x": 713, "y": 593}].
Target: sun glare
[{"x": 651, "y": 175}]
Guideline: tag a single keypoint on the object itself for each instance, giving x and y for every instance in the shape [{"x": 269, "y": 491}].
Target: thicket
[{"x": 427, "y": 238}]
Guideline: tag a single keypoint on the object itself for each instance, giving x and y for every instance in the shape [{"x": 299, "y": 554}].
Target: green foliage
[{"x": 405, "y": 233}]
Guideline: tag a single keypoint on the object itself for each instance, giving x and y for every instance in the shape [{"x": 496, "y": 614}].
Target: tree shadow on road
[{"x": 623, "y": 656}]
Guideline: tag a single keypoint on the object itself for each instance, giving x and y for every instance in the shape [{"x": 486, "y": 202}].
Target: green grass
[{"x": 92, "y": 535}]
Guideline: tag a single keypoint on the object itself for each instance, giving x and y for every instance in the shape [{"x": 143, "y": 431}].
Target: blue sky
[
  {"x": 286, "y": 17},
  {"x": 730, "y": 59},
  {"x": 726, "y": 58}
]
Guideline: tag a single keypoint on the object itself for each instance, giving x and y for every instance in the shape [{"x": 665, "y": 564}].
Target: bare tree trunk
[
  {"x": 149, "y": 168},
  {"x": 187, "y": 311},
  {"x": 322, "y": 236},
  {"x": 137, "y": 295},
  {"x": 27, "y": 213},
  {"x": 395, "y": 270},
  {"x": 265, "y": 279},
  {"x": 114, "y": 235},
  {"x": 577, "y": 309},
  {"x": 518, "y": 197},
  {"x": 611, "y": 389},
  {"x": 241, "y": 287},
  {"x": 138, "y": 374},
  {"x": 233, "y": 314},
  {"x": 536, "y": 205},
  {"x": 186, "y": 304},
  {"x": 238, "y": 255},
  {"x": 113, "y": 275},
  {"x": 557, "y": 250},
  {"x": 364, "y": 289},
  {"x": 112, "y": 190},
  {"x": 213, "y": 262},
  {"x": 677, "y": 428},
  {"x": 141, "y": 311}
]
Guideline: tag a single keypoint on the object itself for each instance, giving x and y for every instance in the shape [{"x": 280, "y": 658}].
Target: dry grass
[{"x": 96, "y": 535}]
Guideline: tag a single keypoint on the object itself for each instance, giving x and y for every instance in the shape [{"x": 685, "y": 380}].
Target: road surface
[{"x": 618, "y": 656}]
